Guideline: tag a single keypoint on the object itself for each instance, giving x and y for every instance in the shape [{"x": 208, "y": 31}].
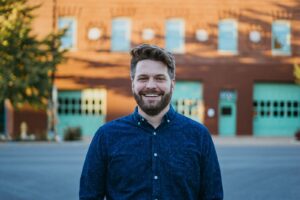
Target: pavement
[
  {"x": 245, "y": 140},
  {"x": 255, "y": 141},
  {"x": 218, "y": 140},
  {"x": 252, "y": 168}
]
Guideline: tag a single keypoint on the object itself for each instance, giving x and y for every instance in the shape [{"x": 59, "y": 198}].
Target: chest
[{"x": 171, "y": 155}]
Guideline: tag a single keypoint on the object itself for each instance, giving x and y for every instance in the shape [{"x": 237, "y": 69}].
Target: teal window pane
[
  {"x": 68, "y": 40},
  {"x": 120, "y": 35},
  {"x": 228, "y": 36},
  {"x": 281, "y": 37},
  {"x": 175, "y": 35}
]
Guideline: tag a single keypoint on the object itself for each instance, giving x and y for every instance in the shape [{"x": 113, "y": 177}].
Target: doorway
[{"x": 227, "y": 113}]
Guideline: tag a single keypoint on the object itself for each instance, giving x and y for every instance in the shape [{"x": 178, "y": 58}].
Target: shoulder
[
  {"x": 198, "y": 132},
  {"x": 116, "y": 125},
  {"x": 190, "y": 124},
  {"x": 109, "y": 132}
]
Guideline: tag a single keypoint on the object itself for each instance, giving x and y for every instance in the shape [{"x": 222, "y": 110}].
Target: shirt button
[
  {"x": 154, "y": 133},
  {"x": 155, "y": 154},
  {"x": 168, "y": 121},
  {"x": 139, "y": 123},
  {"x": 155, "y": 177}
]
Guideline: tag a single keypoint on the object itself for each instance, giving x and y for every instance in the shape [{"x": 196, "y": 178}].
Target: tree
[{"x": 27, "y": 64}]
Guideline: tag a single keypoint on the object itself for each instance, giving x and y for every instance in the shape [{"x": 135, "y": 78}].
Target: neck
[{"x": 154, "y": 120}]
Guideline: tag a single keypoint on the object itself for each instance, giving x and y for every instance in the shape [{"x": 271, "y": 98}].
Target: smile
[{"x": 151, "y": 95}]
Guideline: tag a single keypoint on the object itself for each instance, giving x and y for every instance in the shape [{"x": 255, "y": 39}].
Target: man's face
[{"x": 152, "y": 87}]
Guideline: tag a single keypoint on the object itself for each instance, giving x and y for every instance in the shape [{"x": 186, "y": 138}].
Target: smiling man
[
  {"x": 152, "y": 89},
  {"x": 154, "y": 153}
]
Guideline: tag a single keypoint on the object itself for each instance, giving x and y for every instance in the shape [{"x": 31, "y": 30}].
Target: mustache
[{"x": 151, "y": 91}]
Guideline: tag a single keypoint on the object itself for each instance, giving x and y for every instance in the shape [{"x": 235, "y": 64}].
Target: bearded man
[{"x": 154, "y": 153}]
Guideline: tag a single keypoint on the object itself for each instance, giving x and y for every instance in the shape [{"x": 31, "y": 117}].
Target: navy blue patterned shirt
[{"x": 128, "y": 159}]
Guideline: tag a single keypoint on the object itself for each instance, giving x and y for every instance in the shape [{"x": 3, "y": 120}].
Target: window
[
  {"x": 228, "y": 36},
  {"x": 281, "y": 35},
  {"x": 121, "y": 31},
  {"x": 187, "y": 99},
  {"x": 226, "y": 110},
  {"x": 175, "y": 35},
  {"x": 69, "y": 39},
  {"x": 92, "y": 102}
]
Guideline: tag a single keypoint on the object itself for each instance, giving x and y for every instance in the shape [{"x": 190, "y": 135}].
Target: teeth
[{"x": 151, "y": 95}]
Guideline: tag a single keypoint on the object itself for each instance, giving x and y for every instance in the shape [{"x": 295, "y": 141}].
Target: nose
[{"x": 151, "y": 84}]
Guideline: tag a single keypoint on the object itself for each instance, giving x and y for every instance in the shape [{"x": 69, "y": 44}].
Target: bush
[{"x": 72, "y": 134}]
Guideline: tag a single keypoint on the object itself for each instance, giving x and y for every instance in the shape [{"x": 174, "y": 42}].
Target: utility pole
[{"x": 53, "y": 104}]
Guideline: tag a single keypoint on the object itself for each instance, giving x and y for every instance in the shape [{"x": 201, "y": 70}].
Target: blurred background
[
  {"x": 237, "y": 65},
  {"x": 64, "y": 71}
]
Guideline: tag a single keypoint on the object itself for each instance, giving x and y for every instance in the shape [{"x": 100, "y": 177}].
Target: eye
[
  {"x": 142, "y": 78},
  {"x": 160, "y": 78}
]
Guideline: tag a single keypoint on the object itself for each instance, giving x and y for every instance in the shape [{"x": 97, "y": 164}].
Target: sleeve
[
  {"x": 211, "y": 181},
  {"x": 93, "y": 176}
]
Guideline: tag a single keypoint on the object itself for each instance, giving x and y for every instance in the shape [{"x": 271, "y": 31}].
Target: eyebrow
[{"x": 156, "y": 75}]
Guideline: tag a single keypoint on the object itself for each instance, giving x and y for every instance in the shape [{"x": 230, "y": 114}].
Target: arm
[
  {"x": 211, "y": 184},
  {"x": 93, "y": 176}
]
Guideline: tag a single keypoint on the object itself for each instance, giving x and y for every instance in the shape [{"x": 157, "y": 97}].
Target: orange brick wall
[{"x": 92, "y": 64}]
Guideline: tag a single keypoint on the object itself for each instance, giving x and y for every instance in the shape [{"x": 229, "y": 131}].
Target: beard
[{"x": 152, "y": 109}]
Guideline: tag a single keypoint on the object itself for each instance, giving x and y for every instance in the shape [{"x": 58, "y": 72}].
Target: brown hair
[{"x": 152, "y": 52}]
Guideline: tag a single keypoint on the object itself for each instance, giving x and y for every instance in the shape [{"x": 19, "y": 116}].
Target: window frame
[
  {"x": 128, "y": 33},
  {"x": 280, "y": 52},
  {"x": 235, "y": 36},
  {"x": 181, "y": 30},
  {"x": 74, "y": 33}
]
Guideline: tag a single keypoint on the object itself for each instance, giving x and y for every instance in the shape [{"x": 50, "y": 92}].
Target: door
[
  {"x": 187, "y": 99},
  {"x": 85, "y": 109},
  {"x": 276, "y": 109},
  {"x": 227, "y": 113}
]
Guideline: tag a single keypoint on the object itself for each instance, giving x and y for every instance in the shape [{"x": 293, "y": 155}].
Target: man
[{"x": 154, "y": 153}]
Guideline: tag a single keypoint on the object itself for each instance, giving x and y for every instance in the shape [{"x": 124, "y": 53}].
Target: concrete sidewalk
[{"x": 260, "y": 141}]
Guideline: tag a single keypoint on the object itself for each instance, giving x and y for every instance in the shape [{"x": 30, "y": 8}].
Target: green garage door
[
  {"x": 85, "y": 109},
  {"x": 187, "y": 99},
  {"x": 276, "y": 109}
]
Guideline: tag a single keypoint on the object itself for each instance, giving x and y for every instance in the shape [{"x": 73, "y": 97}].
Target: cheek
[
  {"x": 165, "y": 87},
  {"x": 137, "y": 87}
]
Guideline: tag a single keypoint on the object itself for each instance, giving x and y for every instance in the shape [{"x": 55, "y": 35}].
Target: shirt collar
[{"x": 168, "y": 117}]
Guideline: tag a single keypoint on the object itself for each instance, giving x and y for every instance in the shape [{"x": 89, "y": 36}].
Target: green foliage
[{"x": 26, "y": 62}]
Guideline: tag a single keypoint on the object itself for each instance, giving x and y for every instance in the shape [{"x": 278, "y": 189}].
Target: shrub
[
  {"x": 72, "y": 134},
  {"x": 297, "y": 135}
]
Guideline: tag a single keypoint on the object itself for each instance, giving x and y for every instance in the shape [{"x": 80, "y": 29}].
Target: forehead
[{"x": 151, "y": 67}]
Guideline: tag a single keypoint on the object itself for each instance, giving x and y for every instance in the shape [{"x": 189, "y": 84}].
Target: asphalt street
[{"x": 51, "y": 171}]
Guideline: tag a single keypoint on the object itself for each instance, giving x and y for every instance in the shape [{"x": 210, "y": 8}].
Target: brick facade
[{"x": 92, "y": 64}]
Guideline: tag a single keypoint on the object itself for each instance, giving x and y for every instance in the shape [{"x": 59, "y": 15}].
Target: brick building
[{"x": 234, "y": 61}]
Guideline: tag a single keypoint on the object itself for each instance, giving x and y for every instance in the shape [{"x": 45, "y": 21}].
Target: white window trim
[
  {"x": 182, "y": 49},
  {"x": 128, "y": 35},
  {"x": 74, "y": 48},
  {"x": 278, "y": 52},
  {"x": 228, "y": 52}
]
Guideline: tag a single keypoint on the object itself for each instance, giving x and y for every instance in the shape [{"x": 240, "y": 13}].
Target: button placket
[{"x": 155, "y": 165}]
